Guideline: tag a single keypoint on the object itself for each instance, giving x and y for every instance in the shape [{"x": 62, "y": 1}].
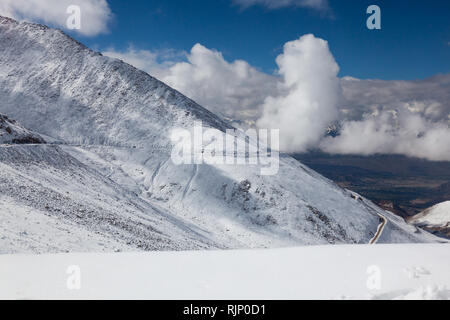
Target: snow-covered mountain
[
  {"x": 13, "y": 133},
  {"x": 435, "y": 219},
  {"x": 105, "y": 180}
]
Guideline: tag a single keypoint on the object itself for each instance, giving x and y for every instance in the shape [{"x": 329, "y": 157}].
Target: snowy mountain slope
[
  {"x": 26, "y": 229},
  {"x": 46, "y": 181},
  {"x": 115, "y": 122},
  {"x": 51, "y": 202},
  {"x": 435, "y": 219}
]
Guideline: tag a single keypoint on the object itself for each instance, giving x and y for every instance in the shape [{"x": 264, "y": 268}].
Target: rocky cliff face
[{"x": 12, "y": 133}]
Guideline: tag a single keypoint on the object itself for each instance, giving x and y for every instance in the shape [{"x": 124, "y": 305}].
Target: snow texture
[{"x": 314, "y": 272}]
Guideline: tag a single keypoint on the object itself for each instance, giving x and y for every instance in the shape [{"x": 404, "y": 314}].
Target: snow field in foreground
[{"x": 403, "y": 271}]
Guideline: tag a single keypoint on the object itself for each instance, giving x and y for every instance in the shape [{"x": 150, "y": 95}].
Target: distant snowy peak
[
  {"x": 437, "y": 215},
  {"x": 435, "y": 219},
  {"x": 13, "y": 133}
]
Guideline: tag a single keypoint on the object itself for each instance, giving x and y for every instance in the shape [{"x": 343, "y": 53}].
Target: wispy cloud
[
  {"x": 95, "y": 14},
  {"x": 392, "y": 132}
]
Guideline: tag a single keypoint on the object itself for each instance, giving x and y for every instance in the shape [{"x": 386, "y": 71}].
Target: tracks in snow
[{"x": 188, "y": 185}]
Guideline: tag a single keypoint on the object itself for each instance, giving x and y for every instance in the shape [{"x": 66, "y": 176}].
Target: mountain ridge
[{"x": 116, "y": 121}]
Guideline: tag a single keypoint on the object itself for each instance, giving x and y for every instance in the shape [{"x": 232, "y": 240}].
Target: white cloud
[
  {"x": 275, "y": 4},
  {"x": 233, "y": 89},
  {"x": 392, "y": 133},
  {"x": 309, "y": 94},
  {"x": 402, "y": 117},
  {"x": 430, "y": 97},
  {"x": 95, "y": 14},
  {"x": 394, "y": 117}
]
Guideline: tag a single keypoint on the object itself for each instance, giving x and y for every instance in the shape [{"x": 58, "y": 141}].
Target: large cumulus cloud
[
  {"x": 309, "y": 94},
  {"x": 304, "y": 96}
]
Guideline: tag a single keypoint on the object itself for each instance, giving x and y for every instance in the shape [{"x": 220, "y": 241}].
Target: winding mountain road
[{"x": 379, "y": 230}]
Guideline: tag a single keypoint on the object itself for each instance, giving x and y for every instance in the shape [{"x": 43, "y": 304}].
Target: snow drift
[{"x": 357, "y": 272}]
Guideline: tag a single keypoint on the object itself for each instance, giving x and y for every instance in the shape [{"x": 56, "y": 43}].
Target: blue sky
[{"x": 414, "y": 41}]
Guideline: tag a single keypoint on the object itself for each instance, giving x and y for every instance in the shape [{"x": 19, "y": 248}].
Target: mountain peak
[{"x": 113, "y": 124}]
